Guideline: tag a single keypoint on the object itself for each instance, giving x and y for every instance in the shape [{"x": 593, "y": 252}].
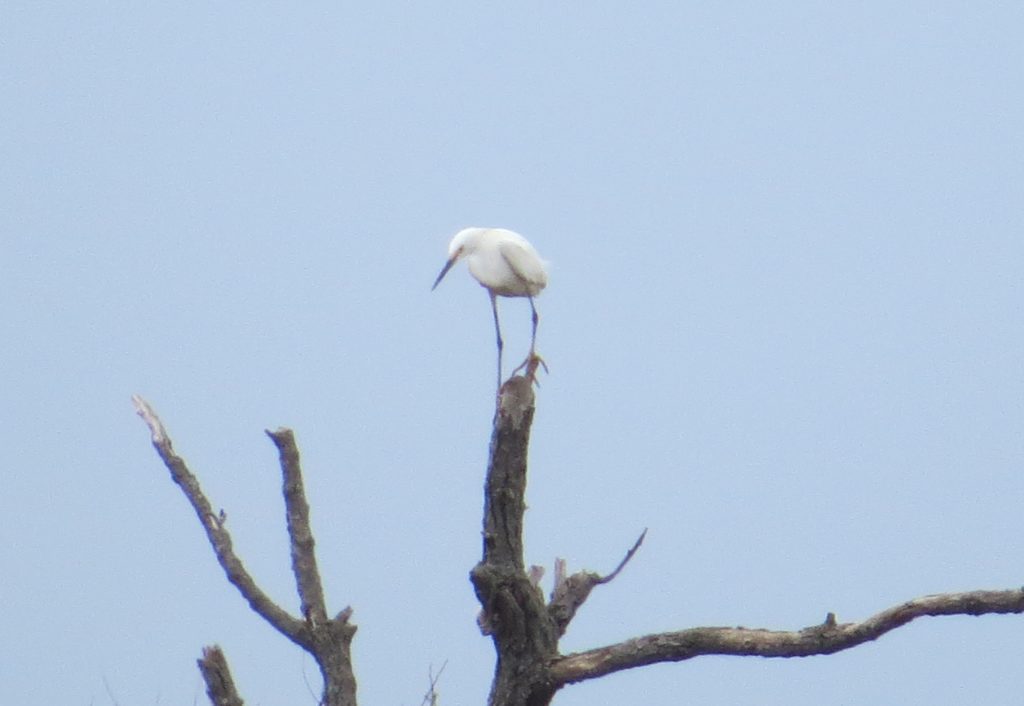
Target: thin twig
[
  {"x": 430, "y": 698},
  {"x": 305, "y": 680},
  {"x": 110, "y": 692},
  {"x": 625, "y": 559}
]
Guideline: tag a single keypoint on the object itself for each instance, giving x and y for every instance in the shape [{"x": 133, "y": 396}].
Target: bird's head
[{"x": 464, "y": 243}]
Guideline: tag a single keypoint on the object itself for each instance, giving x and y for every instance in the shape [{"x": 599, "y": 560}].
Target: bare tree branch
[
  {"x": 304, "y": 566},
  {"x": 328, "y": 640},
  {"x": 292, "y": 628},
  {"x": 823, "y": 639},
  {"x": 331, "y": 638},
  {"x": 524, "y": 630},
  {"x": 570, "y": 593},
  {"x": 220, "y": 687}
]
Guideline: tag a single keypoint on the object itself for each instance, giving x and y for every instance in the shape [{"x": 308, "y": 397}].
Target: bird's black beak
[{"x": 444, "y": 271}]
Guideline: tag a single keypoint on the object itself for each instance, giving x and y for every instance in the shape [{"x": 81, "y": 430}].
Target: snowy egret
[{"x": 506, "y": 265}]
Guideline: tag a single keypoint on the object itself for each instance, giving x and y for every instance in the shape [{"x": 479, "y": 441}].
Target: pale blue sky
[{"x": 784, "y": 328}]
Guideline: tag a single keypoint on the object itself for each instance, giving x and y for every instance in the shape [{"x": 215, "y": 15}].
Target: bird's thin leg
[
  {"x": 497, "y": 331},
  {"x": 533, "y": 333},
  {"x": 532, "y": 359}
]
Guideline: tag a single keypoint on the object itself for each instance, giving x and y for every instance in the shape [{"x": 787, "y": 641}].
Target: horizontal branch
[{"x": 823, "y": 639}]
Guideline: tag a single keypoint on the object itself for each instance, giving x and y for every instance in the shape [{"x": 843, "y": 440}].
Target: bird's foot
[{"x": 529, "y": 367}]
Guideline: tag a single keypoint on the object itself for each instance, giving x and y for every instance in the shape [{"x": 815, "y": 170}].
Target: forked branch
[
  {"x": 217, "y": 533},
  {"x": 328, "y": 640}
]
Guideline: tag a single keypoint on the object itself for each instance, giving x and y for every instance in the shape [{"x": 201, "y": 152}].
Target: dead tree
[{"x": 524, "y": 627}]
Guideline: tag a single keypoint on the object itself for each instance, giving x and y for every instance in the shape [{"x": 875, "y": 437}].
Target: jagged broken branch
[
  {"x": 571, "y": 592},
  {"x": 220, "y": 686}
]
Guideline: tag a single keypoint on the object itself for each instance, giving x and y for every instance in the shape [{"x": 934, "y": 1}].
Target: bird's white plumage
[
  {"x": 501, "y": 260},
  {"x": 526, "y": 264}
]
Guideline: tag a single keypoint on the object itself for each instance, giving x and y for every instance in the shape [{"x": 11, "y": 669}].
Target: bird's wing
[{"x": 527, "y": 265}]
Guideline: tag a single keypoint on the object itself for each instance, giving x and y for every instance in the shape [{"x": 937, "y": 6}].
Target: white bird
[{"x": 506, "y": 265}]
